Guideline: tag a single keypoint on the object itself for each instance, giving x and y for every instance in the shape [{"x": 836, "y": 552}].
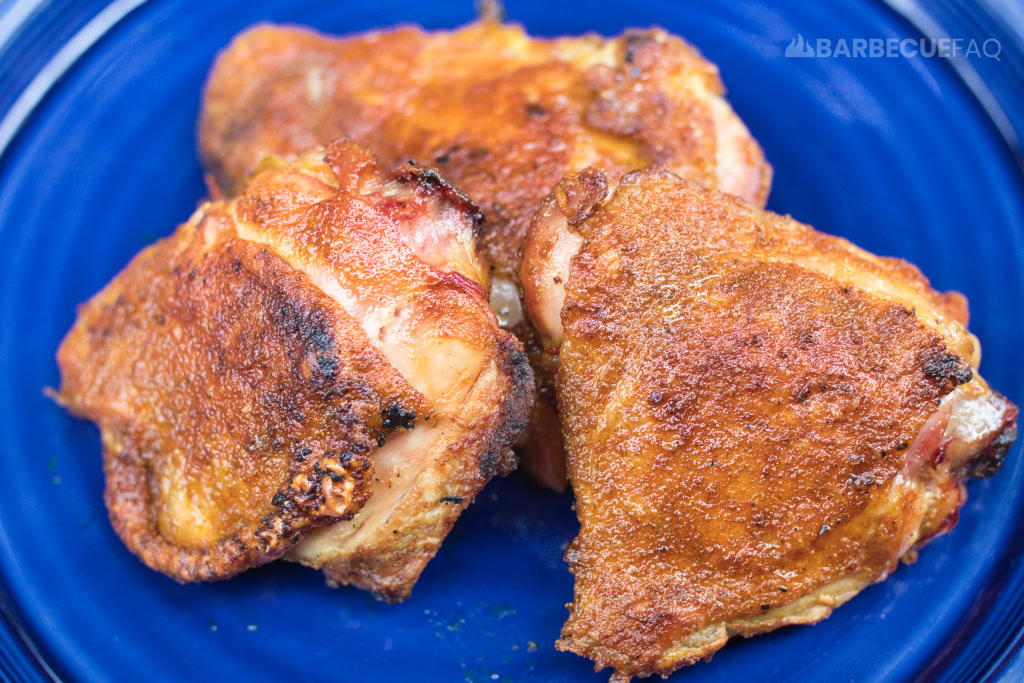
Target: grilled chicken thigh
[
  {"x": 504, "y": 116},
  {"x": 760, "y": 420},
  {"x": 317, "y": 353}
]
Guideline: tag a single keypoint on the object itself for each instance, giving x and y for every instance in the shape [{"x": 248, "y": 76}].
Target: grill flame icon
[{"x": 798, "y": 47}]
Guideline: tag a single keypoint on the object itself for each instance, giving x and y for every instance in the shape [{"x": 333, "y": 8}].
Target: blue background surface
[{"x": 895, "y": 154}]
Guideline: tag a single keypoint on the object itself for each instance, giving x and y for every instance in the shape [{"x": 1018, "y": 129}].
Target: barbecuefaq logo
[{"x": 862, "y": 48}]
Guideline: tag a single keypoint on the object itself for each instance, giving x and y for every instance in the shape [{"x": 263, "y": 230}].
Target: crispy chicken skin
[
  {"x": 266, "y": 369},
  {"x": 760, "y": 419},
  {"x": 504, "y": 116}
]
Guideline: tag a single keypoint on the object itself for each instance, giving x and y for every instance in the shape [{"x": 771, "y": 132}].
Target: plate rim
[{"x": 28, "y": 661}]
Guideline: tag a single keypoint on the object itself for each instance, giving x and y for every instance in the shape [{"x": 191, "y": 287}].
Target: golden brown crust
[
  {"x": 238, "y": 405},
  {"x": 501, "y": 114},
  {"x": 744, "y": 402},
  {"x": 416, "y": 284},
  {"x": 249, "y": 371}
]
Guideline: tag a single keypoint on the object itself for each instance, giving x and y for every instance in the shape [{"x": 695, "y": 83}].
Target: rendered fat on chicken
[
  {"x": 503, "y": 115},
  {"x": 760, "y": 420},
  {"x": 315, "y": 359}
]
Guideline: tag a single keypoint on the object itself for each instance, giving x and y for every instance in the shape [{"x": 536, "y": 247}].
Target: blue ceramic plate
[{"x": 98, "y": 159}]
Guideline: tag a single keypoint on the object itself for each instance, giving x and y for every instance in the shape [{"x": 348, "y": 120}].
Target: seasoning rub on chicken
[
  {"x": 314, "y": 359},
  {"x": 760, "y": 419},
  {"x": 502, "y": 114}
]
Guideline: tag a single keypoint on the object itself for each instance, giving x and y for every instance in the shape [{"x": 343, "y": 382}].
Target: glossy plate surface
[{"x": 895, "y": 154}]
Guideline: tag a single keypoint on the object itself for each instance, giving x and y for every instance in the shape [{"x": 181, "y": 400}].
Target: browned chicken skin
[
  {"x": 760, "y": 419},
  {"x": 280, "y": 361},
  {"x": 504, "y": 116}
]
